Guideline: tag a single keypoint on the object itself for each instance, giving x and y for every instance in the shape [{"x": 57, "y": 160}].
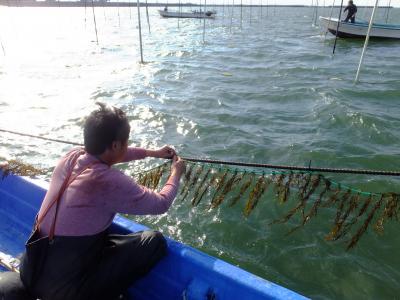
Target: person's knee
[
  {"x": 156, "y": 241},
  {"x": 11, "y": 287}
]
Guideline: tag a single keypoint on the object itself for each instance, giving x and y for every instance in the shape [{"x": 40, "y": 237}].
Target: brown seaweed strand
[
  {"x": 186, "y": 178},
  {"x": 243, "y": 190},
  {"x": 261, "y": 191},
  {"x": 389, "y": 211},
  {"x": 193, "y": 181},
  {"x": 145, "y": 179},
  {"x": 255, "y": 195},
  {"x": 210, "y": 183},
  {"x": 286, "y": 190},
  {"x": 186, "y": 181},
  {"x": 160, "y": 173},
  {"x": 362, "y": 210},
  {"x": 227, "y": 188},
  {"x": 280, "y": 187},
  {"x": 140, "y": 178},
  {"x": 17, "y": 167},
  {"x": 219, "y": 185},
  {"x": 314, "y": 209},
  {"x": 305, "y": 179},
  {"x": 314, "y": 184},
  {"x": 199, "y": 186},
  {"x": 339, "y": 212},
  {"x": 153, "y": 177},
  {"x": 365, "y": 225},
  {"x": 333, "y": 197},
  {"x": 338, "y": 232}
]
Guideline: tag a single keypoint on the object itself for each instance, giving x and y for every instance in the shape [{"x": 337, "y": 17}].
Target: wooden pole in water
[
  {"x": 330, "y": 18},
  {"x": 95, "y": 25},
  {"x": 316, "y": 12},
  {"x": 119, "y": 18},
  {"x": 147, "y": 16},
  {"x": 337, "y": 28},
  {"x": 85, "y": 13},
  {"x": 241, "y": 13},
  {"x": 250, "y": 11},
  {"x": 233, "y": 4},
  {"x": 2, "y": 47},
  {"x": 140, "y": 31},
  {"x": 388, "y": 10},
  {"x": 366, "y": 41},
  {"x": 204, "y": 21}
]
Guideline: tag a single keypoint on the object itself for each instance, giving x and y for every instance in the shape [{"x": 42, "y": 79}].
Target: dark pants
[
  {"x": 351, "y": 18},
  {"x": 95, "y": 267}
]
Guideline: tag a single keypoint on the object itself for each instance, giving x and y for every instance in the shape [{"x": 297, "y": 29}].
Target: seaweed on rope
[
  {"x": 18, "y": 167},
  {"x": 304, "y": 193}
]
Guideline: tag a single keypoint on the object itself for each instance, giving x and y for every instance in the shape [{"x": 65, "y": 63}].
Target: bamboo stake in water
[
  {"x": 2, "y": 47},
  {"x": 241, "y": 13},
  {"x": 147, "y": 16},
  {"x": 95, "y": 25},
  {"x": 337, "y": 27},
  {"x": 204, "y": 21},
  {"x": 251, "y": 5},
  {"x": 330, "y": 19},
  {"x": 140, "y": 32},
  {"x": 366, "y": 41},
  {"x": 85, "y": 13},
  {"x": 388, "y": 10},
  {"x": 119, "y": 18},
  {"x": 180, "y": 12},
  {"x": 233, "y": 5}
]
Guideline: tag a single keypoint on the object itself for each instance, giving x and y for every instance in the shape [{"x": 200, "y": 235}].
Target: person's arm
[
  {"x": 346, "y": 8},
  {"x": 127, "y": 196},
  {"x": 135, "y": 153}
]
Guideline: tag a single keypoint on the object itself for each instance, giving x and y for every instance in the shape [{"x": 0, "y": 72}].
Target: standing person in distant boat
[
  {"x": 71, "y": 254},
  {"x": 351, "y": 9}
]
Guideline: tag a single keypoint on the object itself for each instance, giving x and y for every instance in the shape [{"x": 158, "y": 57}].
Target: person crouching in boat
[
  {"x": 351, "y": 9},
  {"x": 71, "y": 254}
]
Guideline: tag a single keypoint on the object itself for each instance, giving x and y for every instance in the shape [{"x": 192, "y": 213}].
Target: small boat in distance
[
  {"x": 193, "y": 14},
  {"x": 359, "y": 29}
]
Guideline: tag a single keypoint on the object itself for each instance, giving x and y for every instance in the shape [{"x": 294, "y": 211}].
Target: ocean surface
[{"x": 263, "y": 87}]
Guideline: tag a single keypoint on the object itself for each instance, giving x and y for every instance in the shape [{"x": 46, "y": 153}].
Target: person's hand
[
  {"x": 165, "y": 152},
  {"x": 3, "y": 164},
  {"x": 178, "y": 166}
]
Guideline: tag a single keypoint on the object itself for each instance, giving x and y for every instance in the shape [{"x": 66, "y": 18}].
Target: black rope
[
  {"x": 295, "y": 168},
  {"x": 337, "y": 27},
  {"x": 244, "y": 164},
  {"x": 40, "y": 137}
]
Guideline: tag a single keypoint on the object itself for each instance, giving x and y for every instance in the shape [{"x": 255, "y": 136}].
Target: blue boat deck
[{"x": 185, "y": 273}]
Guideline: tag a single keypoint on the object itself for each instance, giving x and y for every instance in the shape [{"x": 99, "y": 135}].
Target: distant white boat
[
  {"x": 193, "y": 14},
  {"x": 359, "y": 29}
]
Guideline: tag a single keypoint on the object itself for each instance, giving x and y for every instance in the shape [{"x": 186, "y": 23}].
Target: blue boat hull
[{"x": 185, "y": 273}]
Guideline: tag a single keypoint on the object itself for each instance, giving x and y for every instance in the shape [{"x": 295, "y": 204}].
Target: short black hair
[{"x": 104, "y": 126}]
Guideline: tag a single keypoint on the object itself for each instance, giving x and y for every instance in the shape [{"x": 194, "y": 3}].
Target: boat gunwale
[{"x": 359, "y": 24}]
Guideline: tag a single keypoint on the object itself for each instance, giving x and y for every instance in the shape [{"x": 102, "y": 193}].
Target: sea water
[{"x": 261, "y": 88}]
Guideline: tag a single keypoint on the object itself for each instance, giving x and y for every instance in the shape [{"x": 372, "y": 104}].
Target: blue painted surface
[{"x": 185, "y": 273}]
